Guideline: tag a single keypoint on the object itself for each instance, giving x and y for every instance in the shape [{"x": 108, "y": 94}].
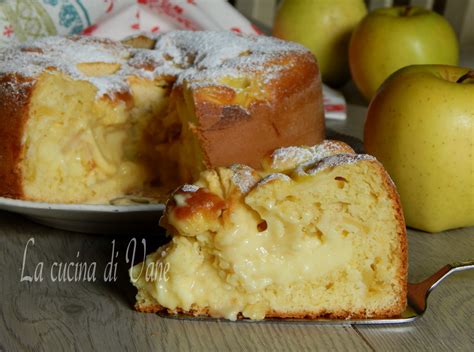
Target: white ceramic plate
[{"x": 131, "y": 219}]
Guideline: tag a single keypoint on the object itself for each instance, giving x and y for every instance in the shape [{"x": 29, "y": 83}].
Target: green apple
[
  {"x": 388, "y": 39},
  {"x": 324, "y": 27},
  {"x": 420, "y": 125}
]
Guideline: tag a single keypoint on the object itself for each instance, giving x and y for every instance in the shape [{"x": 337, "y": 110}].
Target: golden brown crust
[
  {"x": 139, "y": 42},
  {"x": 293, "y": 115},
  {"x": 14, "y": 102},
  {"x": 402, "y": 237},
  {"x": 204, "y": 312},
  {"x": 200, "y": 201}
]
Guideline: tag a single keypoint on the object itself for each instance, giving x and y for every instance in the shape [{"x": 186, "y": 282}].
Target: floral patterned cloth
[
  {"x": 25, "y": 19},
  {"x": 21, "y": 20}
]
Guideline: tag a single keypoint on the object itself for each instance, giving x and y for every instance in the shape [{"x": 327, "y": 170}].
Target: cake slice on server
[{"x": 318, "y": 233}]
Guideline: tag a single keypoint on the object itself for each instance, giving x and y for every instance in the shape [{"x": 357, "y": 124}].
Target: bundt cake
[
  {"x": 85, "y": 120},
  {"x": 319, "y": 232}
]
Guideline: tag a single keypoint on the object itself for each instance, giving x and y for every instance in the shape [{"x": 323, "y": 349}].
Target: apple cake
[
  {"x": 85, "y": 120},
  {"x": 317, "y": 233}
]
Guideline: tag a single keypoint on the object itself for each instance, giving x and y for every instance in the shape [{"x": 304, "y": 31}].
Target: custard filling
[
  {"x": 295, "y": 245},
  {"x": 80, "y": 148}
]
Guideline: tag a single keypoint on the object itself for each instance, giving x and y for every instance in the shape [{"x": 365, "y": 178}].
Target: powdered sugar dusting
[
  {"x": 198, "y": 58},
  {"x": 290, "y": 157},
  {"x": 189, "y": 188},
  {"x": 15, "y": 87},
  {"x": 331, "y": 161},
  {"x": 293, "y": 155},
  {"x": 64, "y": 54},
  {"x": 208, "y": 56},
  {"x": 244, "y": 177}
]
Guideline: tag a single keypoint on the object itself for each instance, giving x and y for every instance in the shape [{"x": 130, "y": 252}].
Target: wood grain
[
  {"x": 98, "y": 316},
  {"x": 54, "y": 316}
]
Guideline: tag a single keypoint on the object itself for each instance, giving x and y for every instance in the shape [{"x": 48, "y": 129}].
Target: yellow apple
[
  {"x": 388, "y": 39},
  {"x": 420, "y": 125},
  {"x": 324, "y": 27}
]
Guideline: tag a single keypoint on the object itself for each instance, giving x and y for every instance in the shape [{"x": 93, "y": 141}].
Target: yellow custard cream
[
  {"x": 323, "y": 239},
  {"x": 79, "y": 149}
]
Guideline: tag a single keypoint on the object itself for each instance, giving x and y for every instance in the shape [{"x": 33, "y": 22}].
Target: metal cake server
[
  {"x": 418, "y": 295},
  {"x": 417, "y": 303}
]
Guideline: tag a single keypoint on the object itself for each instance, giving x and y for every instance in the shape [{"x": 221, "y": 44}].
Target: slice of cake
[
  {"x": 86, "y": 120},
  {"x": 318, "y": 233}
]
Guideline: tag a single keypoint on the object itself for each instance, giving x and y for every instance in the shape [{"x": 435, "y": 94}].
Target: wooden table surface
[{"x": 55, "y": 316}]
